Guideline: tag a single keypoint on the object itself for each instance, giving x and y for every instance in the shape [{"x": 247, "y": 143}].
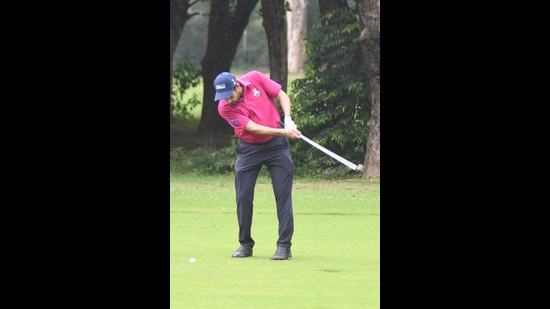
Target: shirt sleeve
[
  {"x": 270, "y": 86},
  {"x": 236, "y": 119}
]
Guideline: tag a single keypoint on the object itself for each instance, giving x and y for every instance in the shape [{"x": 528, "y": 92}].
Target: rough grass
[{"x": 336, "y": 246}]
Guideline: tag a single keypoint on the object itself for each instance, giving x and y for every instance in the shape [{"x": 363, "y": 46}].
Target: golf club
[{"x": 349, "y": 164}]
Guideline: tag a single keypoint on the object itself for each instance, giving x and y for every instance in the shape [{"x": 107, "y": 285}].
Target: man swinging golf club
[{"x": 248, "y": 104}]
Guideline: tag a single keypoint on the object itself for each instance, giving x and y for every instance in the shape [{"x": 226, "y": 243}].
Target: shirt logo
[
  {"x": 234, "y": 121},
  {"x": 256, "y": 92}
]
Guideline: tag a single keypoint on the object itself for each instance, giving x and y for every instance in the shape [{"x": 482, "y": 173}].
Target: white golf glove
[{"x": 289, "y": 124}]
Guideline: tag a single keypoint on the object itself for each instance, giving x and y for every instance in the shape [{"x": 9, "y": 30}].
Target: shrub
[
  {"x": 183, "y": 78},
  {"x": 331, "y": 104}
]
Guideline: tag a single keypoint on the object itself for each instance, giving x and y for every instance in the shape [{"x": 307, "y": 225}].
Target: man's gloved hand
[{"x": 289, "y": 124}]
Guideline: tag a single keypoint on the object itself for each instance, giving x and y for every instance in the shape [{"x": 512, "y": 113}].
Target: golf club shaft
[
  {"x": 347, "y": 163},
  {"x": 331, "y": 154}
]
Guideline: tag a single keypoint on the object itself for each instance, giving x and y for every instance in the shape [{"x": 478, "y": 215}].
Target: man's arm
[
  {"x": 259, "y": 129},
  {"x": 284, "y": 101}
]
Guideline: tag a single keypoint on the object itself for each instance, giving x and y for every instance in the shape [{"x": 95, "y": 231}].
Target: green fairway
[{"x": 336, "y": 246}]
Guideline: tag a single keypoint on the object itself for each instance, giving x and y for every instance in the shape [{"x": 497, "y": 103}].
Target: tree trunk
[
  {"x": 326, "y": 6},
  {"x": 178, "y": 18},
  {"x": 275, "y": 28},
  {"x": 297, "y": 28},
  {"x": 369, "y": 23},
  {"x": 226, "y": 25}
]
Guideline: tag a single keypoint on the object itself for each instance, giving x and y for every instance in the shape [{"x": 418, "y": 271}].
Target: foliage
[
  {"x": 331, "y": 104},
  {"x": 185, "y": 76},
  {"x": 252, "y": 51},
  {"x": 201, "y": 161}
]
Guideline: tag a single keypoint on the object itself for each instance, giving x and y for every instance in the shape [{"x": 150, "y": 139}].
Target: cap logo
[{"x": 220, "y": 86}]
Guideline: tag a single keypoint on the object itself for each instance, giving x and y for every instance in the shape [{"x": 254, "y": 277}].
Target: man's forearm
[
  {"x": 284, "y": 101},
  {"x": 259, "y": 129}
]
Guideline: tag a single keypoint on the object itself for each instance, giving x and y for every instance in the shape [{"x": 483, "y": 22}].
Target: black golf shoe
[
  {"x": 282, "y": 254},
  {"x": 242, "y": 252}
]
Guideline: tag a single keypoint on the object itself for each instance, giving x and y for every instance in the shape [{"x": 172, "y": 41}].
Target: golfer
[{"x": 248, "y": 104}]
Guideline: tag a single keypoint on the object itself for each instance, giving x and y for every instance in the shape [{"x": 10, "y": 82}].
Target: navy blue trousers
[{"x": 275, "y": 155}]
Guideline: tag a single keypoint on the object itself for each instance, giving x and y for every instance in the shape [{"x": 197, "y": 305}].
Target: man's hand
[
  {"x": 292, "y": 134},
  {"x": 289, "y": 124}
]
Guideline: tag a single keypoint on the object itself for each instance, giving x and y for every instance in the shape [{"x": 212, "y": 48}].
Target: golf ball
[{"x": 192, "y": 260}]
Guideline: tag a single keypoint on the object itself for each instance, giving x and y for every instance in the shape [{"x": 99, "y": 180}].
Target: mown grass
[{"x": 336, "y": 246}]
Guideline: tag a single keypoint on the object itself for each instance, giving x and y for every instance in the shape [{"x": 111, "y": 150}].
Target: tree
[
  {"x": 297, "y": 27},
  {"x": 178, "y": 18},
  {"x": 369, "y": 24},
  {"x": 226, "y": 25},
  {"x": 273, "y": 13},
  {"x": 326, "y": 6}
]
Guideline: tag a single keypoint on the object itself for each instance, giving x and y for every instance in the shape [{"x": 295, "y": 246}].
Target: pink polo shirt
[{"x": 258, "y": 104}]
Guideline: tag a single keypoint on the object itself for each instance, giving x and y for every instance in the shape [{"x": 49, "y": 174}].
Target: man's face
[{"x": 235, "y": 95}]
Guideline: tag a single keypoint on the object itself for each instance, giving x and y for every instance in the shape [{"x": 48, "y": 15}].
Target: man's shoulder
[{"x": 254, "y": 74}]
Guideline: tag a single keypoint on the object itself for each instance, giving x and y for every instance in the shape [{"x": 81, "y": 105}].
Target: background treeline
[
  {"x": 252, "y": 51},
  {"x": 333, "y": 102}
]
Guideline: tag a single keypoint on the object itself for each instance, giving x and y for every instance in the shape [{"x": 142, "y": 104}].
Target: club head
[{"x": 360, "y": 167}]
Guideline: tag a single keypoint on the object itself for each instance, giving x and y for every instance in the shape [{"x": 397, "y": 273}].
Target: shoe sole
[{"x": 278, "y": 259}]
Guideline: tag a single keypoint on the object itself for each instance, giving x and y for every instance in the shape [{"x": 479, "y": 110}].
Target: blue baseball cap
[{"x": 224, "y": 84}]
